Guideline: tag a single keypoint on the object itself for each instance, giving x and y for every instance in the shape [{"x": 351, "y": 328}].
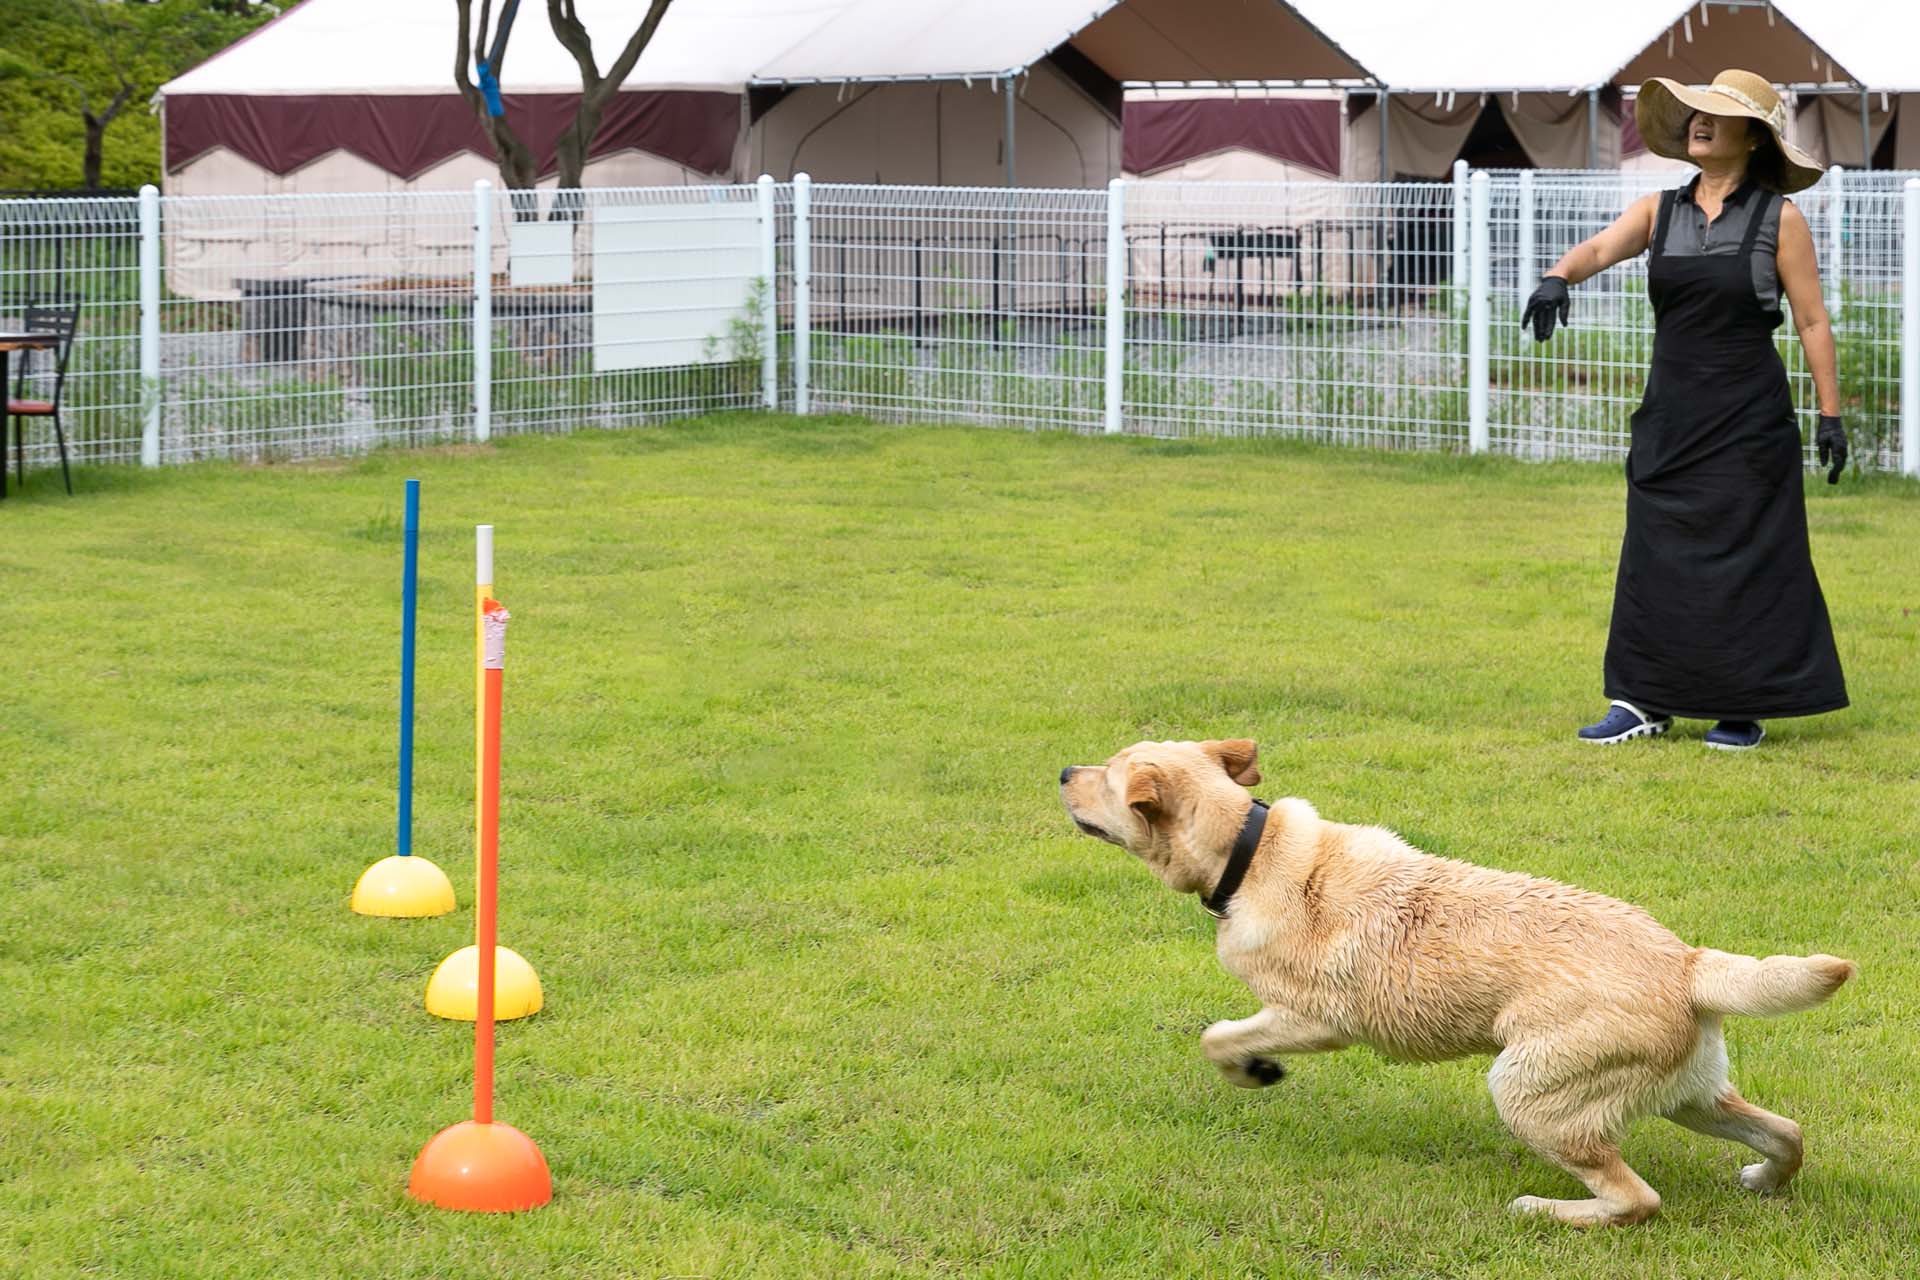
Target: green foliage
[{"x": 56, "y": 53}]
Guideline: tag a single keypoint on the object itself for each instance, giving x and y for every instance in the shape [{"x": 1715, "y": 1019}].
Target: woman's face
[{"x": 1721, "y": 141}]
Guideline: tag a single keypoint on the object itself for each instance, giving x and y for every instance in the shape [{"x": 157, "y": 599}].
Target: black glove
[
  {"x": 1831, "y": 438},
  {"x": 1550, "y": 298}
]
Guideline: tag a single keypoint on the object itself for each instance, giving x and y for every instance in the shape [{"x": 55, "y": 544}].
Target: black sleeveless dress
[{"x": 1716, "y": 611}]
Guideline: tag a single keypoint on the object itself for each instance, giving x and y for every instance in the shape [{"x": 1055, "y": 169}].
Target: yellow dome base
[
  {"x": 454, "y": 990},
  {"x": 409, "y": 886}
]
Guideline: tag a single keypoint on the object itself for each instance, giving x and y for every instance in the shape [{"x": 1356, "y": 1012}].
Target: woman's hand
[
  {"x": 1831, "y": 440},
  {"x": 1545, "y": 303}
]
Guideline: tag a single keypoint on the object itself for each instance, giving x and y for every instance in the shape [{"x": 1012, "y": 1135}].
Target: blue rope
[
  {"x": 490, "y": 88},
  {"x": 489, "y": 83}
]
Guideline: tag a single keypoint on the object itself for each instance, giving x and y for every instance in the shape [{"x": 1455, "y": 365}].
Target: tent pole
[
  {"x": 1386, "y": 168},
  {"x": 1866, "y": 134},
  {"x": 1593, "y": 128},
  {"x": 1007, "y": 130}
]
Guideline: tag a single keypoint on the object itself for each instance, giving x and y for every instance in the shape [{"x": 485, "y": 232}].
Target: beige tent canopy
[
  {"x": 1546, "y": 80},
  {"x": 1880, "y": 43}
]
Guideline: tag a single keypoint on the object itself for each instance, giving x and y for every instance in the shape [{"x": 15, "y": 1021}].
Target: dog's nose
[{"x": 1067, "y": 773}]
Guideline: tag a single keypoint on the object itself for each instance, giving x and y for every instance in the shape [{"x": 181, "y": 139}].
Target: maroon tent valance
[
  {"x": 1304, "y": 131},
  {"x": 407, "y": 134}
]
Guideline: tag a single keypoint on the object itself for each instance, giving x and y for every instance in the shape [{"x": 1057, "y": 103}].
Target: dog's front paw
[{"x": 1254, "y": 1073}]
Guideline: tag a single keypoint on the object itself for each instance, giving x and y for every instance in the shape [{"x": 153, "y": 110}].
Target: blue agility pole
[
  {"x": 409, "y": 586},
  {"x": 403, "y": 885}
]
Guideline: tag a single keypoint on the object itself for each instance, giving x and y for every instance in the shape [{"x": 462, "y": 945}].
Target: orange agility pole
[
  {"x": 487, "y": 903},
  {"x": 453, "y": 990},
  {"x": 482, "y": 1165}
]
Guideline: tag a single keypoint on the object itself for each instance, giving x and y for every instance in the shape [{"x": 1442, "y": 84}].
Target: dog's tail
[{"x": 1726, "y": 983}]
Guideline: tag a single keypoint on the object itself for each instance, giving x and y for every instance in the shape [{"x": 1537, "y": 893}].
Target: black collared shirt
[{"x": 1689, "y": 234}]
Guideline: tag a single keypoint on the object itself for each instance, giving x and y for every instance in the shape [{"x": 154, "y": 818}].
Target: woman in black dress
[{"x": 1717, "y": 614}]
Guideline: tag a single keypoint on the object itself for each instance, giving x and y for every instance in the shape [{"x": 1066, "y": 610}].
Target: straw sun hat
[{"x": 1664, "y": 106}]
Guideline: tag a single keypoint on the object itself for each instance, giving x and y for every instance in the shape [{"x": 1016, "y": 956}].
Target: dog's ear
[
  {"x": 1144, "y": 783},
  {"x": 1238, "y": 757}
]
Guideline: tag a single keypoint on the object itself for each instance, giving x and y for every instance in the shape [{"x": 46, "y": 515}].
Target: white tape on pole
[{"x": 483, "y": 555}]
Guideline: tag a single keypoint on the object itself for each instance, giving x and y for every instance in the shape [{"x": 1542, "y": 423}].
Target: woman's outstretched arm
[{"x": 1627, "y": 237}]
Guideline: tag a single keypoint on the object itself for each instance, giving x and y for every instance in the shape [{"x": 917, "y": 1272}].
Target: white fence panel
[
  {"x": 85, "y": 252},
  {"x": 964, "y": 304},
  {"x": 652, "y": 305},
  {"x": 297, "y": 326},
  {"x": 300, "y": 326},
  {"x": 1322, "y": 310}
]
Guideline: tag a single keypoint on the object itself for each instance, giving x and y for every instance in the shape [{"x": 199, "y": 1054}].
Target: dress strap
[
  {"x": 1667, "y": 198},
  {"x": 1753, "y": 223}
]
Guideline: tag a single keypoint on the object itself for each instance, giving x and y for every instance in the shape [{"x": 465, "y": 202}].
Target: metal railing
[{"x": 1367, "y": 313}]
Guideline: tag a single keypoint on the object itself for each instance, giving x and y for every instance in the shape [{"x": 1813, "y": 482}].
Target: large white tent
[
  {"x": 1880, "y": 43},
  {"x": 359, "y": 94},
  {"x": 1499, "y": 82},
  {"x": 1556, "y": 84}
]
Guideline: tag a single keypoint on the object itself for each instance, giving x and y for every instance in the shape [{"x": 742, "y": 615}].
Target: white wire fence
[{"x": 1364, "y": 313}]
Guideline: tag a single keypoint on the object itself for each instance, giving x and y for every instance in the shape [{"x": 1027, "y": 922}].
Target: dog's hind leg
[
  {"x": 1706, "y": 1103},
  {"x": 1571, "y": 1127},
  {"x": 1732, "y": 1117},
  {"x": 1244, "y": 1049}
]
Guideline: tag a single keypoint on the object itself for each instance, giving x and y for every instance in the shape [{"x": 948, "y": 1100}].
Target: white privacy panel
[
  {"x": 671, "y": 282},
  {"x": 540, "y": 253}
]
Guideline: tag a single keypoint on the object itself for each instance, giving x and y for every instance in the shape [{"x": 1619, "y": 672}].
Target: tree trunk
[
  {"x": 596, "y": 90},
  {"x": 519, "y": 170},
  {"x": 570, "y": 152},
  {"x": 90, "y": 161}
]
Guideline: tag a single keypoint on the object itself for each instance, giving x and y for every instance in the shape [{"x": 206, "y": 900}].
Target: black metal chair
[{"x": 61, "y": 321}]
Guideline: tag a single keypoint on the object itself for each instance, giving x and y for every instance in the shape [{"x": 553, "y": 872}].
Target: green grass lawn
[{"x": 833, "y": 989}]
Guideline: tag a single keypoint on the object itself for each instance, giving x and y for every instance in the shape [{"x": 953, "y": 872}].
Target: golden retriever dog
[{"x": 1595, "y": 1014}]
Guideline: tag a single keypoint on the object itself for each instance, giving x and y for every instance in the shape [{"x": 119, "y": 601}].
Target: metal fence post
[
  {"x": 1836, "y": 221},
  {"x": 770, "y": 314},
  {"x": 802, "y": 289},
  {"x": 1116, "y": 306},
  {"x": 482, "y": 309},
  {"x": 1910, "y": 328},
  {"x": 149, "y": 327},
  {"x": 1526, "y": 274},
  {"x": 1459, "y": 223},
  {"x": 1478, "y": 313}
]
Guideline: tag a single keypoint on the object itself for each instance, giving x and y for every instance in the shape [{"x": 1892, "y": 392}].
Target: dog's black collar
[{"x": 1238, "y": 861}]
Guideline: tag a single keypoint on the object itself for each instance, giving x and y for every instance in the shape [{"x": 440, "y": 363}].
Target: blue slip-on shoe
[
  {"x": 1735, "y": 735},
  {"x": 1625, "y": 721}
]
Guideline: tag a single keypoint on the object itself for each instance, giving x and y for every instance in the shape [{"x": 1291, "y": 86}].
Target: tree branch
[
  {"x": 113, "y": 108},
  {"x": 623, "y": 65},
  {"x": 574, "y": 39},
  {"x": 463, "y": 56}
]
